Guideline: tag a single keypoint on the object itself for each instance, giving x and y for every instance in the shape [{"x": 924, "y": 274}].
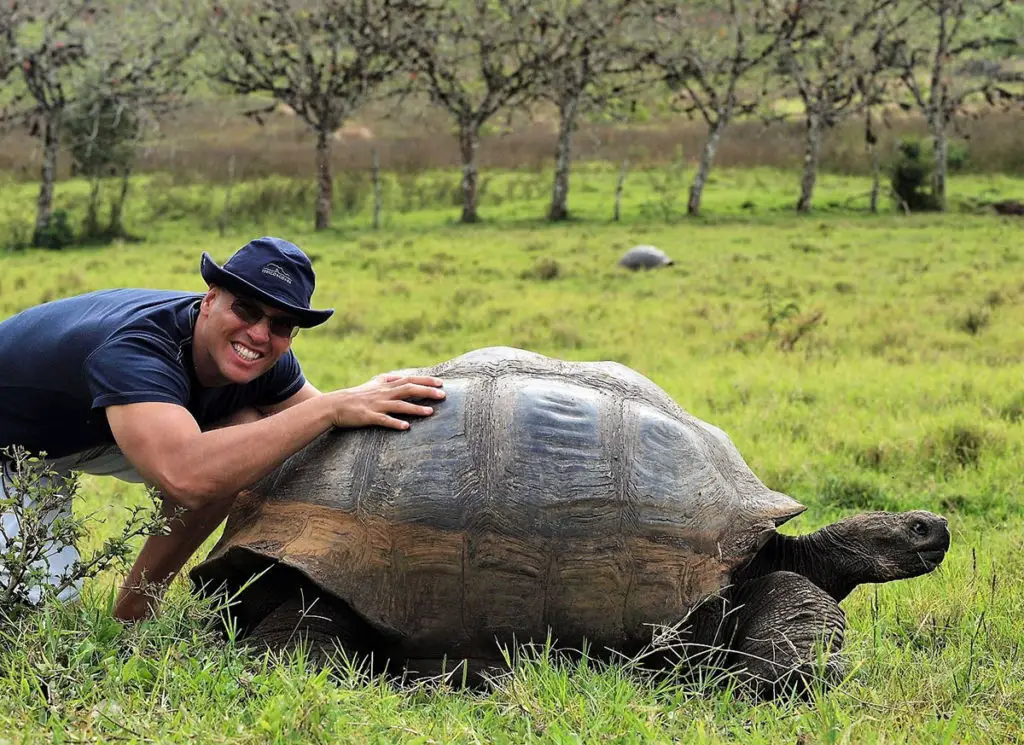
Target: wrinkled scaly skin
[{"x": 783, "y": 609}]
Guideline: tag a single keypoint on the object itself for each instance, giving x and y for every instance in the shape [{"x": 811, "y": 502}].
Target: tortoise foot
[
  {"x": 324, "y": 627},
  {"x": 789, "y": 633}
]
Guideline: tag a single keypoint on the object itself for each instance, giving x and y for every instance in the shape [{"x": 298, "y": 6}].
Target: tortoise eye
[{"x": 919, "y": 527}]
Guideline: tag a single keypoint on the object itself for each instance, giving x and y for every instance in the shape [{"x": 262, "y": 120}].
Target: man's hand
[{"x": 374, "y": 402}]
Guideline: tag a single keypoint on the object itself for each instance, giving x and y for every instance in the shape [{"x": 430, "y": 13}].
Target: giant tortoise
[
  {"x": 575, "y": 499},
  {"x": 644, "y": 257}
]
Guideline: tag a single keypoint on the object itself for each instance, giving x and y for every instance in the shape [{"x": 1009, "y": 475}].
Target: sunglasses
[{"x": 248, "y": 312}]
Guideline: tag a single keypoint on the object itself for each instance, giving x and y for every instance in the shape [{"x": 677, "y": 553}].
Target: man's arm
[
  {"x": 162, "y": 557},
  {"x": 194, "y": 468},
  {"x": 305, "y": 393},
  {"x": 308, "y": 391}
]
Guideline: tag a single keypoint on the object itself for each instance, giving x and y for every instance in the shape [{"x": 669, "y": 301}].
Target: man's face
[{"x": 232, "y": 347}]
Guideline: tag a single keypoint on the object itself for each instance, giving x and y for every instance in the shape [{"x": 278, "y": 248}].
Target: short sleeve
[
  {"x": 282, "y": 381},
  {"x": 136, "y": 368}
]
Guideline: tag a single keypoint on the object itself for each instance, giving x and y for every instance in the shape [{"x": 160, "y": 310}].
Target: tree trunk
[
  {"x": 707, "y": 157},
  {"x": 938, "y": 98},
  {"x": 560, "y": 195},
  {"x": 116, "y": 228},
  {"x": 44, "y": 203},
  {"x": 875, "y": 177},
  {"x": 871, "y": 144},
  {"x": 812, "y": 150},
  {"x": 325, "y": 186},
  {"x": 940, "y": 144},
  {"x": 468, "y": 142},
  {"x": 375, "y": 175},
  {"x": 92, "y": 212},
  {"x": 619, "y": 185}
]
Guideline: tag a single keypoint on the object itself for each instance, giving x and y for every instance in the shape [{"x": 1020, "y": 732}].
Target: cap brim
[{"x": 218, "y": 275}]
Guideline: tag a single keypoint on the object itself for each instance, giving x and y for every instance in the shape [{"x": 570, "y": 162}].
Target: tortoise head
[{"x": 884, "y": 546}]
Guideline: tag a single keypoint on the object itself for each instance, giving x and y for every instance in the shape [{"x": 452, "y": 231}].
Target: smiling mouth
[{"x": 245, "y": 353}]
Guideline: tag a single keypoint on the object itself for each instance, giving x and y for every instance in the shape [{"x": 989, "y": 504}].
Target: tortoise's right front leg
[
  {"x": 783, "y": 621},
  {"x": 324, "y": 626}
]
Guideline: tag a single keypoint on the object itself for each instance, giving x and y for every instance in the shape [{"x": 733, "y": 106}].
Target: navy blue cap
[{"x": 270, "y": 270}]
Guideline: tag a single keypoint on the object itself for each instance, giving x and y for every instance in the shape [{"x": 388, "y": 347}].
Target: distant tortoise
[
  {"x": 644, "y": 257},
  {"x": 543, "y": 494}
]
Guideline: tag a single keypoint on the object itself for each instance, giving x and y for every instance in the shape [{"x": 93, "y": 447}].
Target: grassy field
[{"x": 858, "y": 362}]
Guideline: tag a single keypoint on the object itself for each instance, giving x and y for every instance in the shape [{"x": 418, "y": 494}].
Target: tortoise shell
[{"x": 541, "y": 494}]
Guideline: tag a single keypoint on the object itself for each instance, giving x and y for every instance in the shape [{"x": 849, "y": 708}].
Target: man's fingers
[
  {"x": 418, "y": 380},
  {"x": 400, "y": 378},
  {"x": 405, "y": 407},
  {"x": 388, "y": 394},
  {"x": 391, "y": 423},
  {"x": 417, "y": 390}
]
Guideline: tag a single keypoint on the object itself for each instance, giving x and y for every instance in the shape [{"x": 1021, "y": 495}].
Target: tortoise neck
[{"x": 819, "y": 556}]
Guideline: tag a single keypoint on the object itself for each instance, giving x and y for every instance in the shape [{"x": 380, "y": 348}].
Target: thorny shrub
[{"x": 39, "y": 501}]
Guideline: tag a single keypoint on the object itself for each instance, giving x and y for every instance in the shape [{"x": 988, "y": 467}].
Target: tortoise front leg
[
  {"x": 324, "y": 626},
  {"x": 783, "y": 621}
]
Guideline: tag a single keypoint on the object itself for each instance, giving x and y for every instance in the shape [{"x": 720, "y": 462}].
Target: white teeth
[{"x": 245, "y": 353}]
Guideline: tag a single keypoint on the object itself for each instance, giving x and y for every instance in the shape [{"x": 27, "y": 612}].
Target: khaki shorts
[{"x": 101, "y": 461}]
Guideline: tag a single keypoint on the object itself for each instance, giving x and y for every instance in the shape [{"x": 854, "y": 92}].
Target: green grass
[{"x": 903, "y": 390}]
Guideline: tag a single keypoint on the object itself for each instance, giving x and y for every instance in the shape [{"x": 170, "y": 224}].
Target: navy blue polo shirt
[{"x": 61, "y": 363}]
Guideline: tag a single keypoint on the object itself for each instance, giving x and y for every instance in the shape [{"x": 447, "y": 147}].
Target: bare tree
[
  {"x": 323, "y": 58},
  {"x": 942, "y": 36},
  {"x": 47, "y": 41},
  {"x": 597, "y": 60},
  {"x": 477, "y": 58},
  {"x": 130, "y": 81},
  {"x": 710, "y": 54},
  {"x": 835, "y": 62},
  {"x": 69, "y": 49}
]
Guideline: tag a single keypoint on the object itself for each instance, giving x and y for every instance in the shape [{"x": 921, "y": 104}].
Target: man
[{"x": 197, "y": 395}]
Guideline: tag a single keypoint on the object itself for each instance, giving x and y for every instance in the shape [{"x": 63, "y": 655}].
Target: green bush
[
  {"x": 102, "y": 135},
  {"x": 912, "y": 177},
  {"x": 956, "y": 157},
  {"x": 39, "y": 500},
  {"x": 972, "y": 321},
  {"x": 543, "y": 270},
  {"x": 57, "y": 234},
  {"x": 957, "y": 447}
]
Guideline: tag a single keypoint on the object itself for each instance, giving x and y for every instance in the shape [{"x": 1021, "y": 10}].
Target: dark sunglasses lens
[
  {"x": 246, "y": 311},
  {"x": 286, "y": 328},
  {"x": 283, "y": 327}
]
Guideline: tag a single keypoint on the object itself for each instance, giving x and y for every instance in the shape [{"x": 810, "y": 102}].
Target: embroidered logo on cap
[{"x": 276, "y": 271}]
